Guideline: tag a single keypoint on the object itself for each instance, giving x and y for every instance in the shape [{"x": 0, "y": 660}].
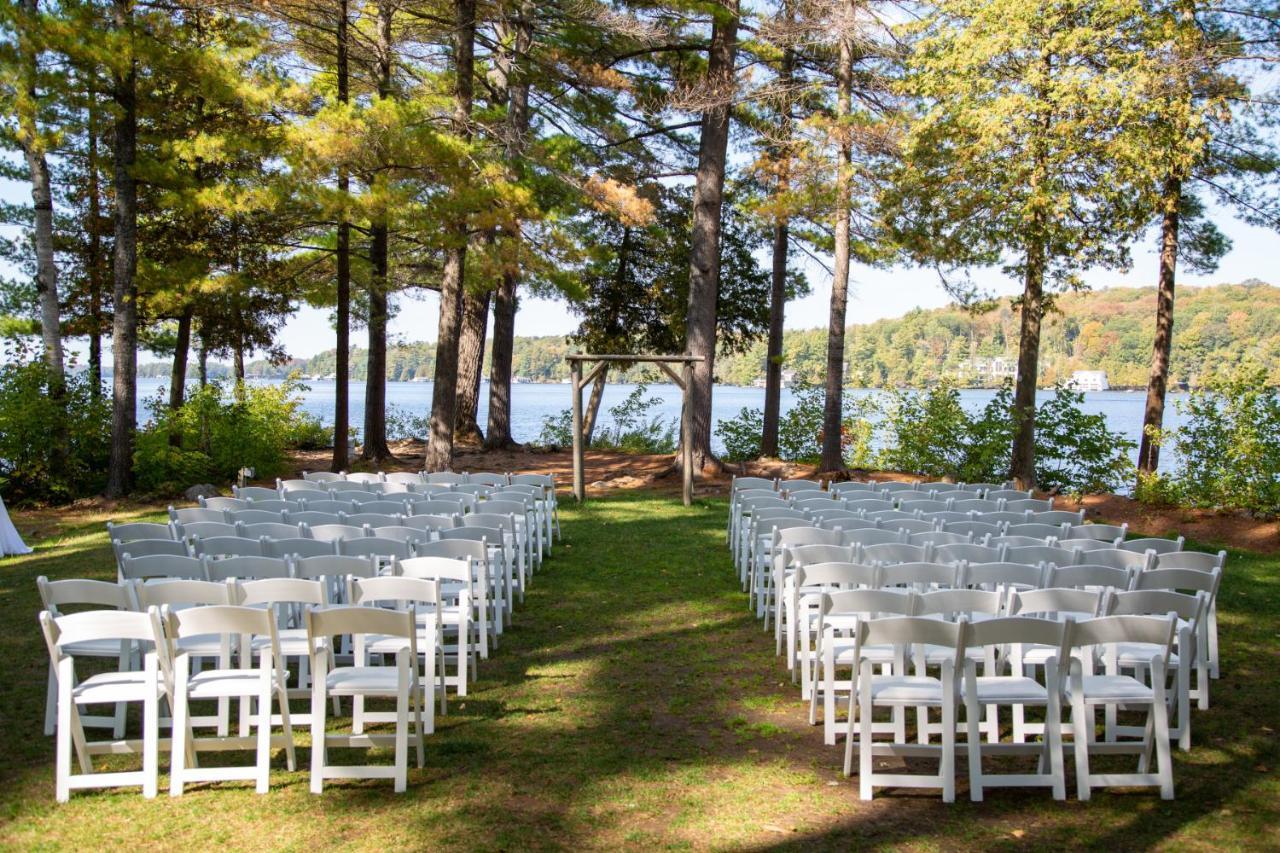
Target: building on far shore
[
  {"x": 984, "y": 370},
  {"x": 1089, "y": 380}
]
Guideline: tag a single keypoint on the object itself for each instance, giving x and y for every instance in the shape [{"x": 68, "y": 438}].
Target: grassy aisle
[{"x": 635, "y": 702}]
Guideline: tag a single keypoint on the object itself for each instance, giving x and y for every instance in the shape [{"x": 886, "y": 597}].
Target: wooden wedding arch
[{"x": 682, "y": 380}]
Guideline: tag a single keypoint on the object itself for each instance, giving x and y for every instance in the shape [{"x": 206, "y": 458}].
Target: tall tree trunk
[
  {"x": 178, "y": 371},
  {"x": 439, "y": 453},
  {"x": 1158, "y": 384},
  {"x": 592, "y": 415},
  {"x": 203, "y": 358},
  {"x": 375, "y": 381},
  {"x": 498, "y": 434},
  {"x": 124, "y": 324},
  {"x": 342, "y": 320},
  {"x": 475, "y": 323},
  {"x": 95, "y": 265},
  {"x": 833, "y": 410},
  {"x": 1024, "y": 395},
  {"x": 781, "y": 241},
  {"x": 704, "y": 255},
  {"x": 238, "y": 367}
]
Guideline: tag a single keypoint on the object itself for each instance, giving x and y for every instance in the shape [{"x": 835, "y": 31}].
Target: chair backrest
[
  {"x": 1016, "y": 542},
  {"x": 223, "y": 504},
  {"x": 202, "y": 529},
  {"x": 462, "y": 501},
  {"x": 162, "y": 566},
  {"x": 1084, "y": 576},
  {"x": 194, "y": 514},
  {"x": 373, "y": 546},
  {"x": 398, "y": 591},
  {"x": 892, "y": 486},
  {"x": 334, "y": 566},
  {"x": 57, "y": 595},
  {"x": 98, "y": 625},
  {"x": 793, "y": 536},
  {"x": 887, "y": 515},
  {"x": 742, "y": 483},
  {"x": 458, "y": 549},
  {"x": 1087, "y": 545},
  {"x": 870, "y": 603},
  {"x": 954, "y": 603},
  {"x": 402, "y": 534},
  {"x": 336, "y": 532},
  {"x": 1197, "y": 560},
  {"x": 279, "y": 591},
  {"x": 1152, "y": 543},
  {"x": 307, "y": 496},
  {"x": 918, "y": 575},
  {"x": 486, "y": 478},
  {"x": 382, "y": 506},
  {"x": 977, "y": 528},
  {"x": 364, "y": 477},
  {"x": 353, "y": 491},
  {"x": 838, "y": 573},
  {"x": 1056, "y": 516},
  {"x": 1106, "y": 630},
  {"x": 1036, "y": 531},
  {"x": 1183, "y": 580},
  {"x": 1157, "y": 602},
  {"x": 853, "y": 487},
  {"x": 1004, "y": 494},
  {"x": 330, "y": 506},
  {"x": 895, "y": 552},
  {"x": 912, "y": 631},
  {"x": 255, "y": 493},
  {"x": 952, "y": 494},
  {"x": 248, "y": 568},
  {"x": 447, "y": 477},
  {"x": 994, "y": 575},
  {"x": 139, "y": 530},
  {"x": 297, "y": 547},
  {"x": 803, "y": 555},
  {"x": 939, "y": 538},
  {"x": 311, "y": 517},
  {"x": 1106, "y": 532},
  {"x": 519, "y": 509},
  {"x": 1020, "y": 630},
  {"x": 815, "y": 504},
  {"x": 923, "y": 505},
  {"x": 1054, "y": 601},
  {"x": 844, "y": 521},
  {"x": 1001, "y": 517},
  {"x": 324, "y": 623},
  {"x": 255, "y": 516},
  {"x": 276, "y": 530},
  {"x": 492, "y": 520},
  {"x": 768, "y": 526},
  {"x": 1029, "y": 504},
  {"x": 434, "y": 507},
  {"x": 295, "y": 483},
  {"x": 981, "y": 487},
  {"x": 1035, "y": 554},
  {"x": 196, "y": 593},
  {"x": 860, "y": 504},
  {"x": 275, "y": 505},
  {"x": 799, "y": 485},
  {"x": 321, "y": 476},
  {"x": 976, "y": 505},
  {"x": 1118, "y": 558},
  {"x": 910, "y": 526},
  {"x": 428, "y": 523},
  {"x": 965, "y": 551},
  {"x": 871, "y": 536},
  {"x": 370, "y": 519},
  {"x": 228, "y": 546},
  {"x": 404, "y": 477}
]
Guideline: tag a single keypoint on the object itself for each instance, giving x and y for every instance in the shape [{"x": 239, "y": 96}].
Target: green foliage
[
  {"x": 28, "y": 417},
  {"x": 1228, "y": 451},
  {"x": 1076, "y": 452},
  {"x": 926, "y": 433},
  {"x": 741, "y": 435},
  {"x": 631, "y": 428},
  {"x": 800, "y": 430},
  {"x": 220, "y": 429},
  {"x": 404, "y": 425}
]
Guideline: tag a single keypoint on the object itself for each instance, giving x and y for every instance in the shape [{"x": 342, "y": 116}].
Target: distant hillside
[{"x": 1215, "y": 328}]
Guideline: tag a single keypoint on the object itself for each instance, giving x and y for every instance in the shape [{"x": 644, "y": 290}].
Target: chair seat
[
  {"x": 366, "y": 680},
  {"x": 1134, "y": 654},
  {"x": 217, "y": 683},
  {"x": 378, "y": 645},
  {"x": 914, "y": 689},
  {"x": 1115, "y": 688},
  {"x": 108, "y": 687},
  {"x": 1004, "y": 689},
  {"x": 843, "y": 650}
]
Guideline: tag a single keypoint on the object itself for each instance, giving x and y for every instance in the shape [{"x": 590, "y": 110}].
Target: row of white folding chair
[
  {"x": 166, "y": 677},
  {"x": 958, "y": 686}
]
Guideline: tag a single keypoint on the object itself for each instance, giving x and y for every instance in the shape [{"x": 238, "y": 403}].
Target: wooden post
[
  {"x": 575, "y": 382},
  {"x": 686, "y": 433}
]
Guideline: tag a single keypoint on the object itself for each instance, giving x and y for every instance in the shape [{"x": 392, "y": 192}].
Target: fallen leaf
[{"x": 1018, "y": 833}]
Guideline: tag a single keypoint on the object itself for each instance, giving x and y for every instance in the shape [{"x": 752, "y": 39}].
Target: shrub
[
  {"x": 557, "y": 430},
  {"x": 633, "y": 430},
  {"x": 29, "y": 468},
  {"x": 403, "y": 425},
  {"x": 219, "y": 430},
  {"x": 1228, "y": 451},
  {"x": 926, "y": 433},
  {"x": 1077, "y": 452},
  {"x": 800, "y": 430},
  {"x": 741, "y": 435}
]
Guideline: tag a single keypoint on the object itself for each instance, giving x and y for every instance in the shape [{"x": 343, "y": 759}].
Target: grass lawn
[{"x": 635, "y": 702}]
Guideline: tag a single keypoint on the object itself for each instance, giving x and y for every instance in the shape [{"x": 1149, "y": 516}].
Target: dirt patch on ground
[{"x": 608, "y": 472}]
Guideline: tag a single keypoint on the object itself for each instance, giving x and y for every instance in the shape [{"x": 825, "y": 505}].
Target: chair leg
[
  {"x": 318, "y": 705},
  {"x": 50, "y": 702},
  {"x": 974, "y": 748},
  {"x": 180, "y": 740},
  {"x": 290, "y": 752},
  {"x": 62, "y": 783},
  {"x": 1164, "y": 760},
  {"x": 264, "y": 734},
  {"x": 865, "y": 743},
  {"x": 1082, "y": 724},
  {"x": 403, "y": 687}
]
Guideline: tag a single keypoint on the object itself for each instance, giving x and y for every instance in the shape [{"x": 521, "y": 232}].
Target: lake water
[{"x": 531, "y": 403}]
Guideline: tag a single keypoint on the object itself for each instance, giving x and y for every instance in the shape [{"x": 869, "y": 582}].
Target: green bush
[
  {"x": 220, "y": 429},
  {"x": 1228, "y": 451},
  {"x": 32, "y": 466},
  {"x": 1076, "y": 452},
  {"x": 926, "y": 433},
  {"x": 741, "y": 435},
  {"x": 800, "y": 430},
  {"x": 632, "y": 430}
]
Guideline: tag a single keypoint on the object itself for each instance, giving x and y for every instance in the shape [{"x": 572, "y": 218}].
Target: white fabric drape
[{"x": 10, "y": 541}]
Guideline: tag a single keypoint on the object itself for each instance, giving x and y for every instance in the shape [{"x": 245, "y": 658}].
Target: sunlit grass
[{"x": 635, "y": 702}]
